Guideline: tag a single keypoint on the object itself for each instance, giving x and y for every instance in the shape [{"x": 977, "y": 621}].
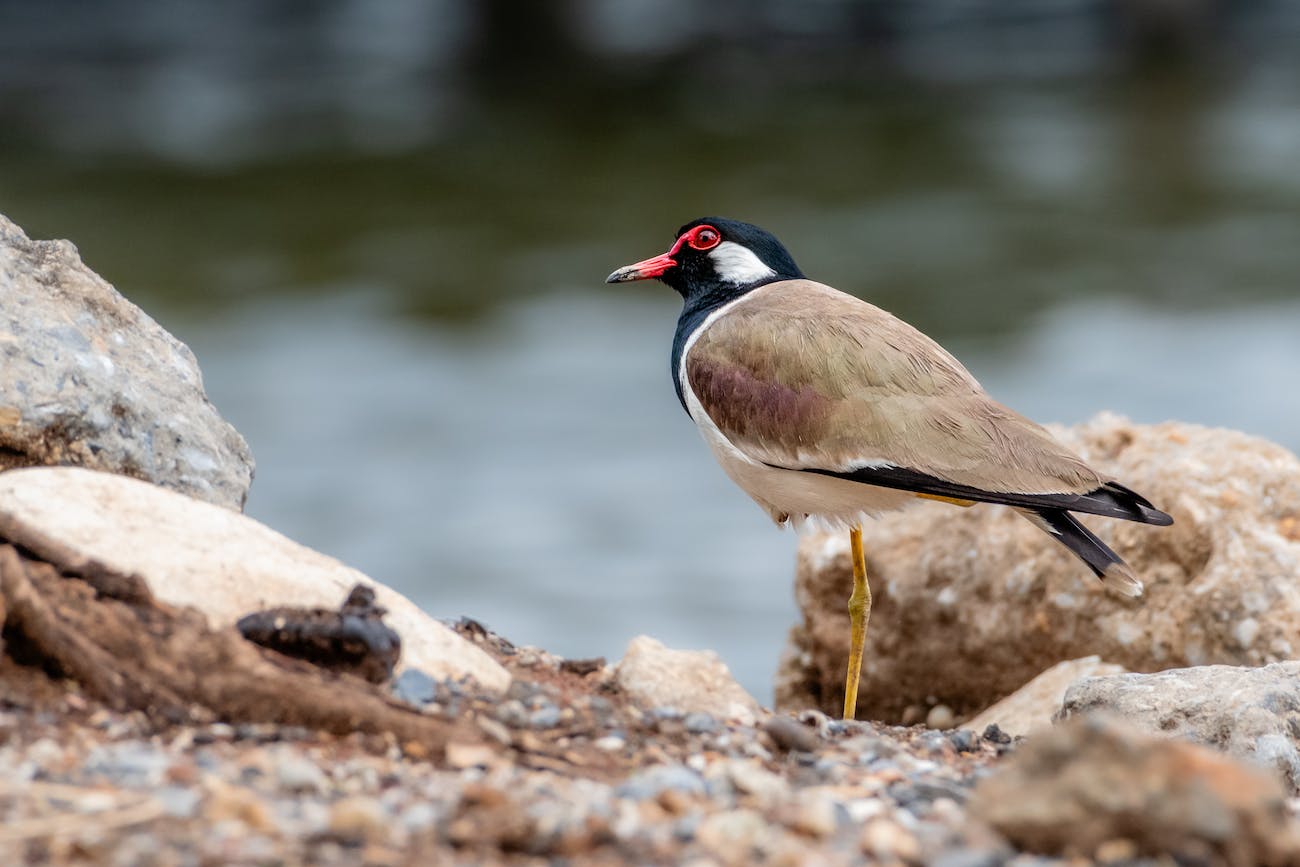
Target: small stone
[
  {"x": 226, "y": 802},
  {"x": 582, "y": 667},
  {"x": 649, "y": 783},
  {"x": 970, "y": 857},
  {"x": 609, "y": 743},
  {"x": 963, "y": 740},
  {"x": 732, "y": 833},
  {"x": 816, "y": 815},
  {"x": 462, "y": 755},
  {"x": 179, "y": 802},
  {"x": 295, "y": 773},
  {"x": 755, "y": 780},
  {"x": 699, "y": 723},
  {"x": 512, "y": 713},
  {"x": 886, "y": 840},
  {"x": 494, "y": 730},
  {"x": 940, "y": 717},
  {"x": 1118, "y": 850},
  {"x": 995, "y": 735},
  {"x": 415, "y": 687},
  {"x": 791, "y": 735},
  {"x": 129, "y": 763},
  {"x": 358, "y": 819},
  {"x": 546, "y": 717},
  {"x": 419, "y": 817}
]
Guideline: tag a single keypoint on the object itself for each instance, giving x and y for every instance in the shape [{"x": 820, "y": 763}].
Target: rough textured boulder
[
  {"x": 1252, "y": 713},
  {"x": 222, "y": 563},
  {"x": 87, "y": 379},
  {"x": 1035, "y": 705},
  {"x": 972, "y": 603},
  {"x": 692, "y": 681},
  {"x": 1093, "y": 783}
]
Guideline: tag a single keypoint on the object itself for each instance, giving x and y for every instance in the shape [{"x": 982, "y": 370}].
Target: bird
[{"x": 827, "y": 410}]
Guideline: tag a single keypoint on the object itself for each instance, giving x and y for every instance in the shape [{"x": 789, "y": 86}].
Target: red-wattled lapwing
[{"x": 822, "y": 406}]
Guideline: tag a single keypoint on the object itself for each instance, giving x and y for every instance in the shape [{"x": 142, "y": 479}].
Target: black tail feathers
[{"x": 1105, "y": 563}]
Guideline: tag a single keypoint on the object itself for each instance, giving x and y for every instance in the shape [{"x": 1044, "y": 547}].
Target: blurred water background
[{"x": 383, "y": 226}]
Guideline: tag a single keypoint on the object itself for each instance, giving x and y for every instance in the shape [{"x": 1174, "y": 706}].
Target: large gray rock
[
  {"x": 221, "y": 562},
  {"x": 87, "y": 379},
  {"x": 972, "y": 603},
  {"x": 1253, "y": 713}
]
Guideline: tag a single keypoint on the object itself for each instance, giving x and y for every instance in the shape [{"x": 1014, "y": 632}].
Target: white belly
[{"x": 793, "y": 496}]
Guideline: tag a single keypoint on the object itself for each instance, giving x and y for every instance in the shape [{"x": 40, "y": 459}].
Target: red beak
[{"x": 647, "y": 269}]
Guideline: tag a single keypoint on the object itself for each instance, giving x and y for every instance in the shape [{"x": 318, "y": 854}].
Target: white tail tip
[{"x": 1121, "y": 579}]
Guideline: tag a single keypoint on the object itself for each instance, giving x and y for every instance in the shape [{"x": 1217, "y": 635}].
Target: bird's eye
[{"x": 704, "y": 238}]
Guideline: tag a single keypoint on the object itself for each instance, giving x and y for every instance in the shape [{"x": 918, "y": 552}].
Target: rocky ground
[{"x": 565, "y": 767}]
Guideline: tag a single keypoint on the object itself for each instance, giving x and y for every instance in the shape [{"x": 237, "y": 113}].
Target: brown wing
[{"x": 798, "y": 375}]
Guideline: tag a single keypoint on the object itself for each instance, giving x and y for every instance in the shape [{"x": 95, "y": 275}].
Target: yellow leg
[{"x": 859, "y": 614}]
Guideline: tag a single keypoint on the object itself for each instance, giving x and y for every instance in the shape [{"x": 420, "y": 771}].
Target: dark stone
[
  {"x": 964, "y": 740},
  {"x": 582, "y": 667},
  {"x": 995, "y": 735},
  {"x": 353, "y": 639},
  {"x": 791, "y": 735}
]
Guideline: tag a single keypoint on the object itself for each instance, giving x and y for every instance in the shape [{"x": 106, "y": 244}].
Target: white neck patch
[{"x": 737, "y": 264}]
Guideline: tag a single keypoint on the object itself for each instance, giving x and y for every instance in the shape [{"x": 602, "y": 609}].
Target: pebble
[
  {"x": 792, "y": 735},
  {"x": 609, "y": 743},
  {"x": 649, "y": 783},
  {"x": 753, "y": 779},
  {"x": 512, "y": 713},
  {"x": 359, "y": 819},
  {"x": 699, "y": 723},
  {"x": 995, "y": 735},
  {"x": 733, "y": 833},
  {"x": 545, "y": 717},
  {"x": 885, "y": 840},
  {"x": 963, "y": 740},
  {"x": 135, "y": 764},
  {"x": 415, "y": 687},
  {"x": 940, "y": 717},
  {"x": 296, "y": 773},
  {"x": 816, "y": 815}
]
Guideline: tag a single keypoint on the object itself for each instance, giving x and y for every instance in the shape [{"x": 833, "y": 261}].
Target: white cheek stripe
[{"x": 737, "y": 264}]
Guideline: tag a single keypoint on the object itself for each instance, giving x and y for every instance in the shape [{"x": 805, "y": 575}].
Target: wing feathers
[{"x": 1112, "y": 499}]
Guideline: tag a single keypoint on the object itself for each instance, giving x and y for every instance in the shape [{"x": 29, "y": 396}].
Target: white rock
[
  {"x": 1031, "y": 708},
  {"x": 218, "y": 561},
  {"x": 690, "y": 680}
]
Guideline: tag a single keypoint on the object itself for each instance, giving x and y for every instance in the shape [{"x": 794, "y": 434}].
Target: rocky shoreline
[{"x": 179, "y": 685}]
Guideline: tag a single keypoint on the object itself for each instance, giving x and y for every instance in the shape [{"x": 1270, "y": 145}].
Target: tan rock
[
  {"x": 690, "y": 680},
  {"x": 970, "y": 604},
  {"x": 89, "y": 380},
  {"x": 1032, "y": 707},
  {"x": 1091, "y": 781},
  {"x": 215, "y": 560}
]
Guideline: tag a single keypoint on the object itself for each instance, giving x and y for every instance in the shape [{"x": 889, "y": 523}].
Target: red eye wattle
[{"x": 704, "y": 238}]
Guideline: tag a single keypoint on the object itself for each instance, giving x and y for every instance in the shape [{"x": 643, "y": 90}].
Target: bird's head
[{"x": 714, "y": 255}]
